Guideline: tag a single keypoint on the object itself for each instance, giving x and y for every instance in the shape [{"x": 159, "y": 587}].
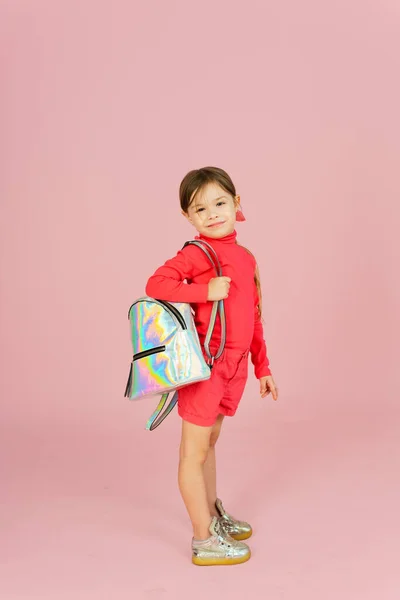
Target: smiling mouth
[{"x": 216, "y": 224}]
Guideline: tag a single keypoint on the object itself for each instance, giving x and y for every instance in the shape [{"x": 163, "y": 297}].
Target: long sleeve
[
  {"x": 258, "y": 348},
  {"x": 168, "y": 282}
]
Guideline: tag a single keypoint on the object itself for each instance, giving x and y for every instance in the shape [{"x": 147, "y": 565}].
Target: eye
[
  {"x": 199, "y": 209},
  {"x": 220, "y": 203}
]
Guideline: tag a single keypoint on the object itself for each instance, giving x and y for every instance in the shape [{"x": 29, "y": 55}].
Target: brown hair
[{"x": 194, "y": 182}]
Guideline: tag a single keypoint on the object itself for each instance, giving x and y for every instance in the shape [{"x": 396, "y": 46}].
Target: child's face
[{"x": 213, "y": 212}]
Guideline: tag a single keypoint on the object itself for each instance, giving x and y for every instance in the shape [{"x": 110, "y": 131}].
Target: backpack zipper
[
  {"x": 175, "y": 311},
  {"x": 148, "y": 352},
  {"x": 170, "y": 308}
]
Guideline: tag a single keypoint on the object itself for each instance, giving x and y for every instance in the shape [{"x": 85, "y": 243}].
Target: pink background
[{"x": 105, "y": 107}]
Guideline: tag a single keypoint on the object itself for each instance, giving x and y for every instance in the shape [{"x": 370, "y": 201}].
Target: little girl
[{"x": 208, "y": 200}]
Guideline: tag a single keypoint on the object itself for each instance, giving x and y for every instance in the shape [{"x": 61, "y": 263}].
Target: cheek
[
  {"x": 231, "y": 211},
  {"x": 197, "y": 219}
]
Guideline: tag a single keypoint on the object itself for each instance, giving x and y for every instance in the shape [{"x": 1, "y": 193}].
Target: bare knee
[
  {"x": 195, "y": 443},
  {"x": 189, "y": 453}
]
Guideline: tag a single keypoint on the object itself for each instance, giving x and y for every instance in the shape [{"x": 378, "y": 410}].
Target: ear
[
  {"x": 186, "y": 216},
  {"x": 239, "y": 213}
]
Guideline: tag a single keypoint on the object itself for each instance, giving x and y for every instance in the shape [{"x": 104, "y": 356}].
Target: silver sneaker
[
  {"x": 219, "y": 549},
  {"x": 238, "y": 530}
]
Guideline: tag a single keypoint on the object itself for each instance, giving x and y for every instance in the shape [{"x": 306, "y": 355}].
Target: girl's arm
[
  {"x": 258, "y": 348},
  {"x": 168, "y": 282}
]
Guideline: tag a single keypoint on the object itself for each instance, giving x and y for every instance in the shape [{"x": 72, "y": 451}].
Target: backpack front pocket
[{"x": 152, "y": 372}]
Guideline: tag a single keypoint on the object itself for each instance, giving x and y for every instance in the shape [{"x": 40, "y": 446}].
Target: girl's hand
[
  {"x": 218, "y": 288},
  {"x": 268, "y": 386}
]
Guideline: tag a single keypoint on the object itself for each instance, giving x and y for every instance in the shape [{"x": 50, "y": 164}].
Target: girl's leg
[
  {"x": 192, "y": 456},
  {"x": 210, "y": 471}
]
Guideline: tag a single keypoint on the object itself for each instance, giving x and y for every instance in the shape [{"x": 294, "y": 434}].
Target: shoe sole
[
  {"x": 213, "y": 562},
  {"x": 241, "y": 536}
]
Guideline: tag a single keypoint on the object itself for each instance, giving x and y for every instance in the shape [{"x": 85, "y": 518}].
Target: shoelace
[
  {"x": 219, "y": 530},
  {"x": 224, "y": 542},
  {"x": 227, "y": 524}
]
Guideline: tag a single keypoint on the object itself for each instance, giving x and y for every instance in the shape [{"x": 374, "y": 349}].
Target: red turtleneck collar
[{"x": 227, "y": 239}]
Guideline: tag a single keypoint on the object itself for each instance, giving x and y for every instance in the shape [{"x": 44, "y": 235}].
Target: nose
[{"x": 211, "y": 213}]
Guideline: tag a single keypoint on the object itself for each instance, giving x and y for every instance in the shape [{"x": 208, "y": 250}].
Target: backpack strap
[
  {"x": 157, "y": 418},
  {"x": 218, "y": 306}
]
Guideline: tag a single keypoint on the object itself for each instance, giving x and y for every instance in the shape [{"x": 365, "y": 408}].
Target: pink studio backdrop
[{"x": 105, "y": 107}]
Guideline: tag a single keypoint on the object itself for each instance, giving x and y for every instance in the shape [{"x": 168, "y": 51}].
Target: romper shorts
[{"x": 201, "y": 403}]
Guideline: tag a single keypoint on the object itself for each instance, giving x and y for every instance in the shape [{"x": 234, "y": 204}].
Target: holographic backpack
[{"x": 167, "y": 354}]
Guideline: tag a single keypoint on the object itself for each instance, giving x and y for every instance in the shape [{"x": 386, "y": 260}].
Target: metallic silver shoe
[
  {"x": 238, "y": 530},
  {"x": 219, "y": 549}
]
